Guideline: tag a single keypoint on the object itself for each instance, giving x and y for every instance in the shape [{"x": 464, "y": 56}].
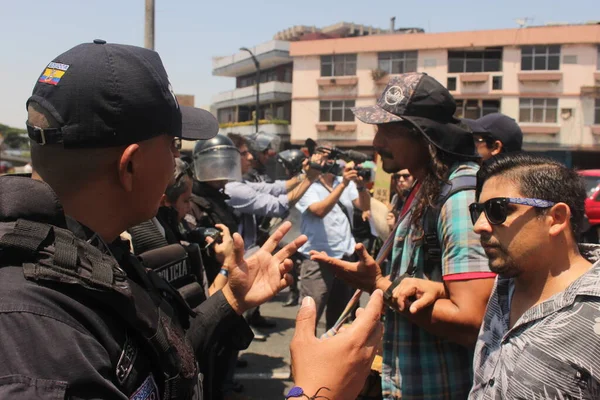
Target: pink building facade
[{"x": 546, "y": 78}]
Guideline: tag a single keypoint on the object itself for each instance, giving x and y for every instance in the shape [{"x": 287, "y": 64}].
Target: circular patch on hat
[{"x": 394, "y": 96}]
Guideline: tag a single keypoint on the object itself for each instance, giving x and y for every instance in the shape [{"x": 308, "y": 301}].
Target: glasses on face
[
  {"x": 403, "y": 176},
  {"x": 496, "y": 209},
  {"x": 483, "y": 139}
]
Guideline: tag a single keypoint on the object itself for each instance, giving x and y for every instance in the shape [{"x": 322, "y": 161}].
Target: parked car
[
  {"x": 592, "y": 204},
  {"x": 6, "y": 167}
]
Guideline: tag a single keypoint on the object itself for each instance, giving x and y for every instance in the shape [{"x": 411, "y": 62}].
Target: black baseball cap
[
  {"x": 106, "y": 95},
  {"x": 427, "y": 105},
  {"x": 499, "y": 127}
]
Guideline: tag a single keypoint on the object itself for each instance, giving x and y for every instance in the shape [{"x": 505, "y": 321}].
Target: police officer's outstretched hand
[
  {"x": 335, "y": 367},
  {"x": 257, "y": 279}
]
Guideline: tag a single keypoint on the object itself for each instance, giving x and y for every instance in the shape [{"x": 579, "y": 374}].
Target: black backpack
[{"x": 431, "y": 242}]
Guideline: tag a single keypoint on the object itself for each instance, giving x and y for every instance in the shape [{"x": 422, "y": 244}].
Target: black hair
[
  {"x": 238, "y": 140},
  {"x": 542, "y": 178},
  {"x": 179, "y": 184}
]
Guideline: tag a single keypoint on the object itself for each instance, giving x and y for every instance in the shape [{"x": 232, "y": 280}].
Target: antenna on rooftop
[{"x": 522, "y": 22}]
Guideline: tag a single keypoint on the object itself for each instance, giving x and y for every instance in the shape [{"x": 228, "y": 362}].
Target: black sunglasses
[
  {"x": 496, "y": 209},
  {"x": 403, "y": 176}
]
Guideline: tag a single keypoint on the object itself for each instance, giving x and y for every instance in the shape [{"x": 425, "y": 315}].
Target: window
[
  {"x": 226, "y": 115},
  {"x": 338, "y": 65},
  {"x": 279, "y": 74},
  {"x": 598, "y": 60},
  {"x": 287, "y": 74},
  {"x": 597, "y": 112},
  {"x": 451, "y": 85},
  {"x": 570, "y": 59},
  {"x": 540, "y": 58},
  {"x": 538, "y": 110},
  {"x": 336, "y": 111},
  {"x": 488, "y": 60},
  {"x": 496, "y": 83},
  {"x": 398, "y": 62},
  {"x": 474, "y": 109}
]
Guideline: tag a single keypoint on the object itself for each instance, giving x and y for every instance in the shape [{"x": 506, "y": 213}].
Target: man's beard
[{"x": 501, "y": 263}]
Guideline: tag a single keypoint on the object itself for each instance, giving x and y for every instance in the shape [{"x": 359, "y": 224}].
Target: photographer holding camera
[{"x": 327, "y": 208}]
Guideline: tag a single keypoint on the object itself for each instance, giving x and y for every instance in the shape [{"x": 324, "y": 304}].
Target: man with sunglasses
[
  {"x": 541, "y": 332},
  {"x": 495, "y": 134},
  {"x": 540, "y": 336},
  {"x": 402, "y": 182}
]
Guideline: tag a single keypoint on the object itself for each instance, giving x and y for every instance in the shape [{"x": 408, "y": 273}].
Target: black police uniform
[
  {"x": 209, "y": 207},
  {"x": 114, "y": 331}
]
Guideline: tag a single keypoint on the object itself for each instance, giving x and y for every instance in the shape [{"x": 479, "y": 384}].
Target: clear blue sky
[{"x": 190, "y": 32}]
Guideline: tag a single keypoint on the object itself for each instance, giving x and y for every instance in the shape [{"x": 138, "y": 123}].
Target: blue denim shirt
[{"x": 251, "y": 199}]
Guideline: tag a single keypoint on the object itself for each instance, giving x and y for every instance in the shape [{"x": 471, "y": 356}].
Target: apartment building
[
  {"x": 546, "y": 77},
  {"x": 236, "y": 108}
]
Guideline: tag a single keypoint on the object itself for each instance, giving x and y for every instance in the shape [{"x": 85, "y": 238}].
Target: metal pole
[
  {"x": 257, "y": 65},
  {"x": 149, "y": 27}
]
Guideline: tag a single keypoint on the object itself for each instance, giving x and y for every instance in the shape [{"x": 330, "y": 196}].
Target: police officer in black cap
[{"x": 80, "y": 316}]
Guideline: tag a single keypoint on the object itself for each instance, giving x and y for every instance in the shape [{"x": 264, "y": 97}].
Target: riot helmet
[
  {"x": 262, "y": 141},
  {"x": 217, "y": 159},
  {"x": 292, "y": 160}
]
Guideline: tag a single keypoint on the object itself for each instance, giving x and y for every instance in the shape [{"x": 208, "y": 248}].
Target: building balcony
[
  {"x": 474, "y": 78},
  {"x": 541, "y": 129},
  {"x": 270, "y": 92},
  {"x": 277, "y": 127},
  {"x": 338, "y": 81},
  {"x": 540, "y": 76},
  {"x": 270, "y": 54},
  {"x": 591, "y": 91}
]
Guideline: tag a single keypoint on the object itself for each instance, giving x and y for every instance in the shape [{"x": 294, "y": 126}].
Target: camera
[
  {"x": 200, "y": 234},
  {"x": 364, "y": 173}
]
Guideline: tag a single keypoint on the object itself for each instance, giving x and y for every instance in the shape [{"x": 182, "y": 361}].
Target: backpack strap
[{"x": 431, "y": 244}]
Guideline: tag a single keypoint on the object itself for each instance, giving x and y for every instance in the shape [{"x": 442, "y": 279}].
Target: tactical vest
[
  {"x": 209, "y": 211},
  {"x": 51, "y": 254}
]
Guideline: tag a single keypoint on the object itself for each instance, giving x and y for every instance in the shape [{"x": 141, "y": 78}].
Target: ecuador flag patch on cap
[{"x": 53, "y": 73}]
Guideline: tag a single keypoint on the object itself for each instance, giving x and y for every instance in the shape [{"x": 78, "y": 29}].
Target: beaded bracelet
[{"x": 297, "y": 391}]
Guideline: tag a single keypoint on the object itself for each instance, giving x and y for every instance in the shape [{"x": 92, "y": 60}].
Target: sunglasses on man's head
[
  {"x": 177, "y": 143},
  {"x": 496, "y": 209}
]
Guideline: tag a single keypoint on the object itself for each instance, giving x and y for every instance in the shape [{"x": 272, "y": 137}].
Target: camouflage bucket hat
[{"x": 423, "y": 102}]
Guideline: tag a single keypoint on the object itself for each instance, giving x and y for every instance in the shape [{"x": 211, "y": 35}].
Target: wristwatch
[
  {"x": 224, "y": 272},
  {"x": 388, "y": 294}
]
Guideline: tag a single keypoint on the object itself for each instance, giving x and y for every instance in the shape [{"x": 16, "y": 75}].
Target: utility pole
[
  {"x": 257, "y": 65},
  {"x": 149, "y": 27}
]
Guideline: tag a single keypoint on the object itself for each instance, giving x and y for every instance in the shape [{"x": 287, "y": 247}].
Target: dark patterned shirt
[{"x": 552, "y": 351}]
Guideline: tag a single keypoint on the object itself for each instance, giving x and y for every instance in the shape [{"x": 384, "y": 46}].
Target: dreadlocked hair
[{"x": 438, "y": 171}]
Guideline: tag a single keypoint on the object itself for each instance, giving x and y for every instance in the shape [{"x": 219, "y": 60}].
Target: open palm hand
[{"x": 258, "y": 278}]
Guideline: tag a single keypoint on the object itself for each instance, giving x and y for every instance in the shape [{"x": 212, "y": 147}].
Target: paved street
[
  {"x": 267, "y": 376},
  {"x": 268, "y": 373}
]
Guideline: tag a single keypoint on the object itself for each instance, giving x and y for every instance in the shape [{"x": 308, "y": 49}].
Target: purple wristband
[{"x": 296, "y": 391}]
